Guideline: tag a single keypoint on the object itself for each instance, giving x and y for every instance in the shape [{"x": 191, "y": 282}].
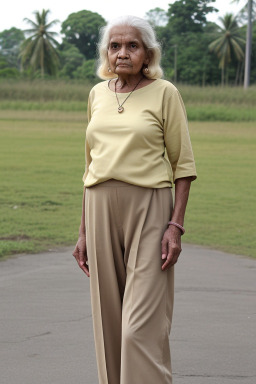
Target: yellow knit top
[{"x": 148, "y": 144}]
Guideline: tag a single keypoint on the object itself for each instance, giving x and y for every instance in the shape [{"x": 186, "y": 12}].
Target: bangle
[{"x": 178, "y": 226}]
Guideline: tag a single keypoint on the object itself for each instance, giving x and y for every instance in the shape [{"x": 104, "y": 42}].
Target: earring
[
  {"x": 109, "y": 70},
  {"x": 146, "y": 70}
]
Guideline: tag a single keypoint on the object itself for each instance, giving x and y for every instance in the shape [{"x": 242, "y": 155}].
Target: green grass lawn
[
  {"x": 221, "y": 210},
  {"x": 42, "y": 162}
]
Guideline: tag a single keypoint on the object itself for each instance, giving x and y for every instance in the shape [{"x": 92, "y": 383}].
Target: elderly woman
[{"x": 137, "y": 146}]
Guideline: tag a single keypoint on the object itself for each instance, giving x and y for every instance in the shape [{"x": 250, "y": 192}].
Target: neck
[{"x": 127, "y": 83}]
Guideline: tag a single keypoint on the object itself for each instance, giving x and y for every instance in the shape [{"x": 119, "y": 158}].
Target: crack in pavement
[
  {"x": 72, "y": 320},
  {"x": 230, "y": 377},
  {"x": 26, "y": 339},
  {"x": 216, "y": 290}
]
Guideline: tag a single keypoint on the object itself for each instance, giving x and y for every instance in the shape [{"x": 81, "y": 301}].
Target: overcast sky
[{"x": 12, "y": 13}]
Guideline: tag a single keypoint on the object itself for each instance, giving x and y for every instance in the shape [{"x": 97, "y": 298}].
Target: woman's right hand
[{"x": 80, "y": 254}]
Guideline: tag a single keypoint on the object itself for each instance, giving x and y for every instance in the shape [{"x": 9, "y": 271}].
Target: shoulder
[
  {"x": 98, "y": 88},
  {"x": 166, "y": 86},
  {"x": 166, "y": 90},
  {"x": 171, "y": 98}
]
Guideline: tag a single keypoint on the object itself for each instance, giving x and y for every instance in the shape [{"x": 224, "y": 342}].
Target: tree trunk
[
  {"x": 247, "y": 68},
  {"x": 42, "y": 61},
  {"x": 227, "y": 76},
  {"x": 237, "y": 73},
  {"x": 241, "y": 74},
  {"x": 222, "y": 76}
]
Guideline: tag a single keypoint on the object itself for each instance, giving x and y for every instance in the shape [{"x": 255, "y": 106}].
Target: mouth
[{"x": 122, "y": 65}]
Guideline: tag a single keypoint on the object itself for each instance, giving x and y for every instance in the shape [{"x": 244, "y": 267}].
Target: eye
[
  {"x": 113, "y": 46},
  {"x": 133, "y": 45}
]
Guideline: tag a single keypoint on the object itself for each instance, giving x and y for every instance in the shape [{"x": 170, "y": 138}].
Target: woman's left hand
[{"x": 171, "y": 246}]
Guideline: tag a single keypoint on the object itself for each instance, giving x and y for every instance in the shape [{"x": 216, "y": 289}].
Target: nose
[{"x": 122, "y": 54}]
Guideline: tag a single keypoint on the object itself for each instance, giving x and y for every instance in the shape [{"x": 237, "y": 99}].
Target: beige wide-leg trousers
[{"x": 132, "y": 298}]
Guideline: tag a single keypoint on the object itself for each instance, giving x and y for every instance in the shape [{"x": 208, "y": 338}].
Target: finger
[
  {"x": 86, "y": 271},
  {"x": 169, "y": 263},
  {"x": 172, "y": 257},
  {"x": 85, "y": 268},
  {"x": 83, "y": 262},
  {"x": 166, "y": 264},
  {"x": 164, "y": 248},
  {"x": 170, "y": 254}
]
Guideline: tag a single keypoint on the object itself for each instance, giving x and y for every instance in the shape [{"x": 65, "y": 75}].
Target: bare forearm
[
  {"x": 182, "y": 187},
  {"x": 171, "y": 242},
  {"x": 82, "y": 225}
]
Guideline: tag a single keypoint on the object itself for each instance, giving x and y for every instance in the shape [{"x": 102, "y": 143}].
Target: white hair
[{"x": 148, "y": 38}]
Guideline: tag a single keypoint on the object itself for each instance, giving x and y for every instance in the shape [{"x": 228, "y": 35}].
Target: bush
[
  {"x": 86, "y": 71},
  {"x": 9, "y": 73}
]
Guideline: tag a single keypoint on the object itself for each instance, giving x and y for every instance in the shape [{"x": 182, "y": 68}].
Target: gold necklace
[{"x": 120, "y": 106}]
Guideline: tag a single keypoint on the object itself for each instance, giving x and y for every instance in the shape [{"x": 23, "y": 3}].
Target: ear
[{"x": 148, "y": 57}]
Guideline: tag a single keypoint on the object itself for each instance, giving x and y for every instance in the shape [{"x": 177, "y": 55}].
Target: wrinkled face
[{"x": 126, "y": 52}]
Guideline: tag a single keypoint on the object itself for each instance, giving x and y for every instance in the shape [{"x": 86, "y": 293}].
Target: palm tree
[
  {"x": 39, "y": 49},
  {"x": 228, "y": 44},
  {"x": 247, "y": 69}
]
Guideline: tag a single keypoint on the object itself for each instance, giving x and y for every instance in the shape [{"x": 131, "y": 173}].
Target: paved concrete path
[{"x": 46, "y": 332}]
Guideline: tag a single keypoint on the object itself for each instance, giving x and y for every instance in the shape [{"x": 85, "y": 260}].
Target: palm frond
[
  {"x": 52, "y": 23},
  {"x": 31, "y": 22},
  {"x": 54, "y": 42},
  {"x": 39, "y": 49},
  {"x": 32, "y": 30},
  {"x": 48, "y": 33},
  {"x": 228, "y": 41}
]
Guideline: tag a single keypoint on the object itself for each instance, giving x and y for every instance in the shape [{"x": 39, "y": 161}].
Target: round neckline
[{"x": 126, "y": 93}]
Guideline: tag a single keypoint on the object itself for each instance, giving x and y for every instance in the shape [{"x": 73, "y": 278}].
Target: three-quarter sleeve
[
  {"x": 176, "y": 137},
  {"x": 88, "y": 158},
  {"x": 147, "y": 145}
]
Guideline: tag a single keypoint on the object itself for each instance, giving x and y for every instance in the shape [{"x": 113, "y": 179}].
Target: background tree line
[{"x": 195, "y": 50}]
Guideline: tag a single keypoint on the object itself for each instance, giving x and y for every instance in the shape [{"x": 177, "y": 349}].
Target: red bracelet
[{"x": 178, "y": 226}]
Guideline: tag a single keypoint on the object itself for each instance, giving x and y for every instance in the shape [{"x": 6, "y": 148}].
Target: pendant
[{"x": 120, "y": 109}]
